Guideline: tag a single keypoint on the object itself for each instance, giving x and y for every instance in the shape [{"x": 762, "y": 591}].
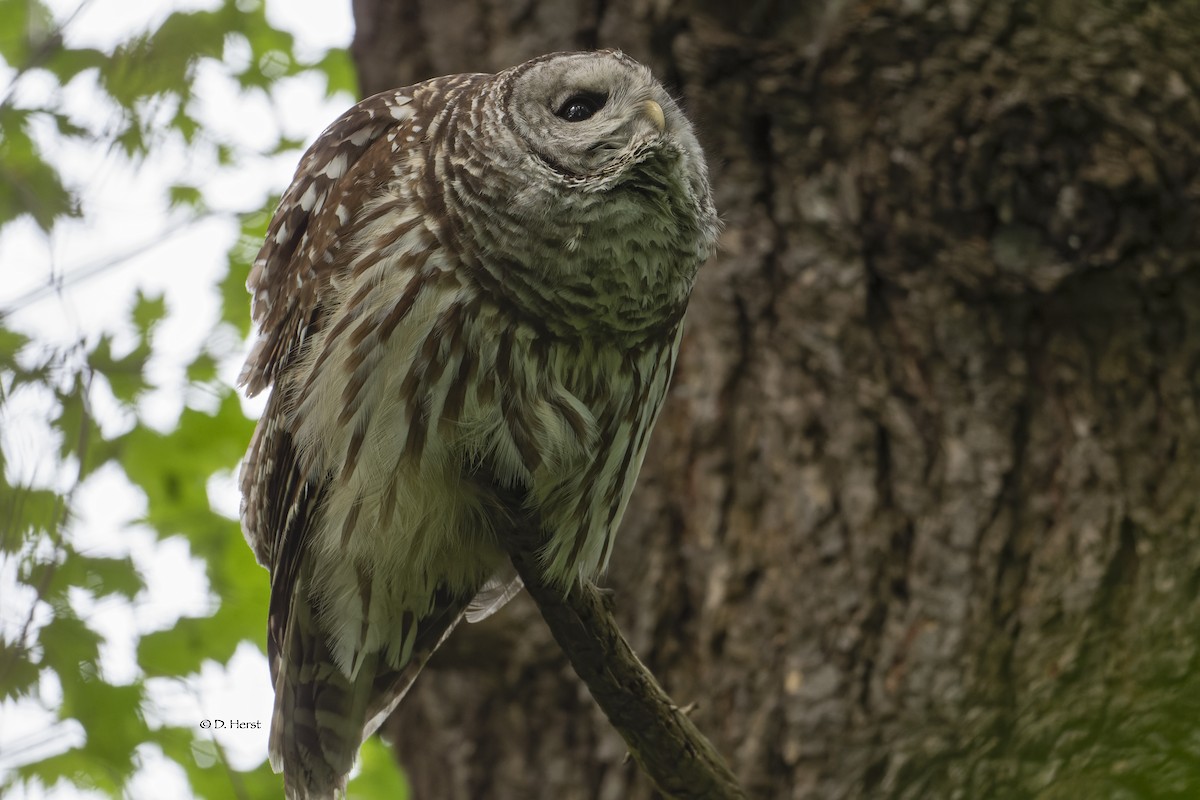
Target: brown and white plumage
[{"x": 475, "y": 282}]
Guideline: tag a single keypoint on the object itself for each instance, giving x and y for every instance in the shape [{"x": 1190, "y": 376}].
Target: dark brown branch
[{"x": 671, "y": 750}]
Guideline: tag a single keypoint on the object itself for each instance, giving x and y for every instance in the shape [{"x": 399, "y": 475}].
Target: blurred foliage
[{"x": 148, "y": 81}]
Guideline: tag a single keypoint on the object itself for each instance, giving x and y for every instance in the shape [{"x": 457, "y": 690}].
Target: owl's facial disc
[{"x": 591, "y": 115}]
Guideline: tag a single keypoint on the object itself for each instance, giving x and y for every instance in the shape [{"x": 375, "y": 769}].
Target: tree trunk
[{"x": 919, "y": 518}]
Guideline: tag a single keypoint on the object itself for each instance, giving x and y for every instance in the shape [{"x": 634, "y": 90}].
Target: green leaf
[
  {"x": 163, "y": 61},
  {"x": 126, "y": 375},
  {"x": 184, "y": 647},
  {"x": 380, "y": 777},
  {"x": 286, "y": 144},
  {"x": 25, "y": 30},
  {"x": 18, "y": 672},
  {"x": 76, "y": 766},
  {"x": 11, "y": 343},
  {"x": 68, "y": 127},
  {"x": 132, "y": 139},
  {"x": 68, "y": 643},
  {"x": 106, "y": 576},
  {"x": 28, "y": 185},
  {"x": 173, "y": 470},
  {"x": 270, "y": 51},
  {"x": 66, "y": 63},
  {"x": 340, "y": 75},
  {"x": 174, "y": 467},
  {"x": 202, "y": 369},
  {"x": 28, "y": 514},
  {"x": 185, "y": 123},
  {"x": 72, "y": 419},
  {"x": 181, "y": 195},
  {"x": 148, "y": 312},
  {"x": 112, "y": 720},
  {"x": 111, "y": 716},
  {"x": 100, "y": 576}
]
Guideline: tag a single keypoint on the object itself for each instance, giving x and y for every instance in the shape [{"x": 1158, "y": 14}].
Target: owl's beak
[{"x": 654, "y": 113}]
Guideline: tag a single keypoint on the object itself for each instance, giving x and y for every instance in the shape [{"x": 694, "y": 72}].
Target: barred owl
[{"x": 475, "y": 283}]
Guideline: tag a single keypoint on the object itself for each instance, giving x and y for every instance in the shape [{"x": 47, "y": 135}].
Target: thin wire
[
  {"x": 12, "y": 751},
  {"x": 80, "y": 274}
]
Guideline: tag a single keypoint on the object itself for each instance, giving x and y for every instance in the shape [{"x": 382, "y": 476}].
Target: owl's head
[
  {"x": 590, "y": 119},
  {"x": 590, "y": 163}
]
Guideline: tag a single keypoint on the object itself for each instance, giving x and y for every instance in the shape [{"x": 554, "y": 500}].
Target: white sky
[{"x": 125, "y": 212}]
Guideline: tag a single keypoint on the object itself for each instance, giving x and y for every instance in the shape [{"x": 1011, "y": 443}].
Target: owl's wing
[
  {"x": 306, "y": 248},
  {"x": 290, "y": 280},
  {"x": 320, "y": 712},
  {"x": 303, "y": 249}
]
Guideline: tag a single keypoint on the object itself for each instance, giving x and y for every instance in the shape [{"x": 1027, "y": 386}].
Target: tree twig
[{"x": 664, "y": 742}]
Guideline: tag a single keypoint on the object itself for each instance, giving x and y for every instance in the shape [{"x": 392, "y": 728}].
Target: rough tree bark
[{"x": 919, "y": 519}]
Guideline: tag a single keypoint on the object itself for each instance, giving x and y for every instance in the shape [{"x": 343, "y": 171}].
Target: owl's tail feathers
[
  {"x": 321, "y": 716},
  {"x": 391, "y": 684},
  {"x": 317, "y": 723}
]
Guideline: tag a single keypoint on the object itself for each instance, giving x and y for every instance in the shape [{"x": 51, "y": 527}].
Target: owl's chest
[
  {"x": 630, "y": 264},
  {"x": 569, "y": 427},
  {"x": 539, "y": 406}
]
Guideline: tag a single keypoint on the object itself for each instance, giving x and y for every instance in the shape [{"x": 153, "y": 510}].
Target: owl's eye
[{"x": 579, "y": 107}]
